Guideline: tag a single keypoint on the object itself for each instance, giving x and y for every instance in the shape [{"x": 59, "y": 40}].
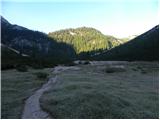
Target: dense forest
[{"x": 85, "y": 39}]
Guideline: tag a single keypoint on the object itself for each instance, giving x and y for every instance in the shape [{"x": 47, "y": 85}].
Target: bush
[
  {"x": 86, "y": 62},
  {"x": 79, "y": 62},
  {"x": 7, "y": 66},
  {"x": 70, "y": 64},
  {"x": 21, "y": 68},
  {"x": 112, "y": 69},
  {"x": 41, "y": 75},
  {"x": 143, "y": 71},
  {"x": 134, "y": 69},
  {"x": 37, "y": 66},
  {"x": 139, "y": 67}
]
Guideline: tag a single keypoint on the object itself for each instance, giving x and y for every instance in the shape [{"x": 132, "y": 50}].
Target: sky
[{"x": 120, "y": 18}]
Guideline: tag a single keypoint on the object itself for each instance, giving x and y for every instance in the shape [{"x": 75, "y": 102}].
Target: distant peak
[
  {"x": 3, "y": 20},
  {"x": 17, "y": 27},
  {"x": 157, "y": 26}
]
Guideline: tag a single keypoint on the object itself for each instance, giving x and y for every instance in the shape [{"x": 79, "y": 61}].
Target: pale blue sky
[{"x": 120, "y": 18}]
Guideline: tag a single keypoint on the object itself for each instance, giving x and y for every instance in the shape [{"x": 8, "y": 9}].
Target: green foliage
[
  {"x": 38, "y": 46},
  {"x": 21, "y": 68},
  {"x": 41, "y": 75},
  {"x": 37, "y": 66},
  {"x": 113, "y": 69},
  {"x": 86, "y": 62},
  {"x": 70, "y": 64},
  {"x": 16, "y": 87},
  {"x": 83, "y": 62},
  {"x": 85, "y": 39},
  {"x": 8, "y": 58}
]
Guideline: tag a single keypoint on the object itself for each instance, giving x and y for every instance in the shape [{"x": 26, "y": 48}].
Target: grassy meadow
[
  {"x": 91, "y": 92},
  {"x": 16, "y": 88}
]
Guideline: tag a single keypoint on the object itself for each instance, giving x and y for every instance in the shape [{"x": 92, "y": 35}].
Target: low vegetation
[
  {"x": 21, "y": 68},
  {"x": 112, "y": 69},
  {"x": 16, "y": 87},
  {"x": 92, "y": 93},
  {"x": 42, "y": 75}
]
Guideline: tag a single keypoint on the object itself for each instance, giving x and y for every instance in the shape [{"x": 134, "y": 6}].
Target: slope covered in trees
[
  {"x": 71, "y": 44},
  {"x": 9, "y": 57},
  {"x": 36, "y": 45},
  {"x": 144, "y": 47},
  {"x": 85, "y": 39}
]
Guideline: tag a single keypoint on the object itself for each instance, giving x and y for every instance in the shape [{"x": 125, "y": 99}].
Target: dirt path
[{"x": 32, "y": 109}]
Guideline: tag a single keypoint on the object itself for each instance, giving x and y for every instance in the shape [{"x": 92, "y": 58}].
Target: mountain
[
  {"x": 36, "y": 45},
  {"x": 144, "y": 47},
  {"x": 10, "y": 57},
  {"x": 22, "y": 45},
  {"x": 85, "y": 39},
  {"x": 126, "y": 39}
]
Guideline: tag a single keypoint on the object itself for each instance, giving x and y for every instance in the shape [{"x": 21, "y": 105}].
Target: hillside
[
  {"x": 126, "y": 39},
  {"x": 9, "y": 57},
  {"x": 79, "y": 43},
  {"x": 35, "y": 44},
  {"x": 144, "y": 47},
  {"x": 85, "y": 39}
]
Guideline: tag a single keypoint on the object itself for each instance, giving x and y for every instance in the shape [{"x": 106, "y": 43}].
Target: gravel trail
[{"x": 32, "y": 109}]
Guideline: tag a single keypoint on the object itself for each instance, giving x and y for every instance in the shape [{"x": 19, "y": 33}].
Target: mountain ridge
[
  {"x": 71, "y": 44},
  {"x": 143, "y": 47},
  {"x": 35, "y": 44},
  {"x": 85, "y": 39}
]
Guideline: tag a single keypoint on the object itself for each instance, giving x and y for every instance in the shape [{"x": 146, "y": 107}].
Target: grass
[
  {"x": 16, "y": 87},
  {"x": 92, "y": 93},
  {"x": 42, "y": 75},
  {"x": 112, "y": 69},
  {"x": 21, "y": 68}
]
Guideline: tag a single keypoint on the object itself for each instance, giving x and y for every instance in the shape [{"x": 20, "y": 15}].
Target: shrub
[
  {"x": 86, "y": 62},
  {"x": 139, "y": 67},
  {"x": 134, "y": 69},
  {"x": 21, "y": 68},
  {"x": 41, "y": 75},
  {"x": 37, "y": 66},
  {"x": 7, "y": 66},
  {"x": 143, "y": 71},
  {"x": 70, "y": 64},
  {"x": 79, "y": 62},
  {"x": 112, "y": 69}
]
